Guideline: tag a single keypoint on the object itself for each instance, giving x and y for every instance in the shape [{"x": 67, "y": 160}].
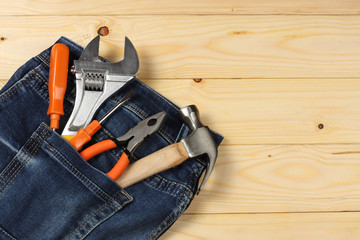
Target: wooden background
[{"x": 280, "y": 80}]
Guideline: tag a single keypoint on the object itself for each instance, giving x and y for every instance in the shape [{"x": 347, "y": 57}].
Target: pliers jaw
[{"x": 136, "y": 135}]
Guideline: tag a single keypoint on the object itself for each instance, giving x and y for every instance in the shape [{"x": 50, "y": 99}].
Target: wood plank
[
  {"x": 282, "y": 178},
  {"x": 184, "y": 7},
  {"x": 330, "y": 226},
  {"x": 201, "y": 46},
  {"x": 272, "y": 111}
]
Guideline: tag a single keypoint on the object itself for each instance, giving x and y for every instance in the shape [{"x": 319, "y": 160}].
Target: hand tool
[
  {"x": 59, "y": 60},
  {"x": 130, "y": 141},
  {"x": 96, "y": 81},
  {"x": 84, "y": 135},
  {"x": 199, "y": 142}
]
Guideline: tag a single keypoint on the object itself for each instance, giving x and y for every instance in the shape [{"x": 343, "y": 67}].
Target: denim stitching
[
  {"x": 40, "y": 77},
  {"x": 7, "y": 234},
  {"x": 130, "y": 198},
  {"x": 12, "y": 169},
  {"x": 136, "y": 110},
  {"x": 93, "y": 215},
  {"x": 12, "y": 91},
  {"x": 89, "y": 184},
  {"x": 159, "y": 228},
  {"x": 33, "y": 149},
  {"x": 181, "y": 131},
  {"x": 167, "y": 136},
  {"x": 170, "y": 182},
  {"x": 88, "y": 219},
  {"x": 193, "y": 176},
  {"x": 44, "y": 59}
]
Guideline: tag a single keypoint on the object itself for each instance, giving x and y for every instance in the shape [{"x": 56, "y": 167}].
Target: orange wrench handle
[
  {"x": 119, "y": 167},
  {"x": 97, "y": 148}
]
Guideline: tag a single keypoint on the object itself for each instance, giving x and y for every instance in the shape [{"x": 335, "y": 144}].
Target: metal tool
[
  {"x": 84, "y": 134},
  {"x": 199, "y": 142},
  {"x": 130, "y": 141},
  {"x": 96, "y": 81}
]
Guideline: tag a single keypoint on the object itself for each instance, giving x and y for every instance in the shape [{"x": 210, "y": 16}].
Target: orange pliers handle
[
  {"x": 84, "y": 135},
  {"x": 101, "y": 147}
]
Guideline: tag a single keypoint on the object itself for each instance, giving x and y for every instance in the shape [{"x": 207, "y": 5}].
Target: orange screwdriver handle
[
  {"x": 84, "y": 135},
  {"x": 59, "y": 61},
  {"x": 97, "y": 148},
  {"x": 119, "y": 167}
]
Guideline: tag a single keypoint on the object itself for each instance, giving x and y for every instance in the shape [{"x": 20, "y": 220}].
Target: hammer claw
[
  {"x": 199, "y": 142},
  {"x": 212, "y": 155}
]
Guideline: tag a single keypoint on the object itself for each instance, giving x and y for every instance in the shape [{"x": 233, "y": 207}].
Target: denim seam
[
  {"x": 40, "y": 76},
  {"x": 167, "y": 223},
  {"x": 167, "y": 189},
  {"x": 192, "y": 174},
  {"x": 169, "y": 219},
  {"x": 7, "y": 234},
  {"x": 83, "y": 179},
  {"x": 18, "y": 165},
  {"x": 33, "y": 148},
  {"x": 93, "y": 215},
  {"x": 43, "y": 58},
  {"x": 14, "y": 89},
  {"x": 136, "y": 110}
]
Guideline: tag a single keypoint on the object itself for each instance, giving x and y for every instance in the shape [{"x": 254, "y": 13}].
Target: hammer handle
[{"x": 154, "y": 163}]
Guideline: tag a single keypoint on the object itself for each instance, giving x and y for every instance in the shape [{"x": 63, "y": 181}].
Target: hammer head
[{"x": 200, "y": 141}]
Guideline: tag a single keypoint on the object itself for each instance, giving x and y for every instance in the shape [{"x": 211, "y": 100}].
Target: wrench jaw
[{"x": 96, "y": 81}]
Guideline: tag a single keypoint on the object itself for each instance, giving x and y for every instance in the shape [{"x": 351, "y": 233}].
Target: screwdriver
[
  {"x": 59, "y": 61},
  {"x": 84, "y": 135}
]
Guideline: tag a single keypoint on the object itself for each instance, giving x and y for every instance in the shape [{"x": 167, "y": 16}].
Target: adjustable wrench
[{"x": 96, "y": 81}]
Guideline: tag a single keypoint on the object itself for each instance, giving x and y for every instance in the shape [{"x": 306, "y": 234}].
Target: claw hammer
[{"x": 199, "y": 142}]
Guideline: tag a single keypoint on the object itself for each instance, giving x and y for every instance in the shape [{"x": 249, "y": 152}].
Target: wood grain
[
  {"x": 279, "y": 79},
  {"x": 282, "y": 178},
  {"x": 272, "y": 111},
  {"x": 184, "y": 7},
  {"x": 152, "y": 164},
  {"x": 201, "y": 46},
  {"x": 330, "y": 226}
]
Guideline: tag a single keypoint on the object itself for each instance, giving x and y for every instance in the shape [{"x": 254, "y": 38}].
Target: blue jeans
[{"x": 47, "y": 191}]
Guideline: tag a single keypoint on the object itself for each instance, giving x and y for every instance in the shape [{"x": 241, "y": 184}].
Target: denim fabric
[{"x": 47, "y": 191}]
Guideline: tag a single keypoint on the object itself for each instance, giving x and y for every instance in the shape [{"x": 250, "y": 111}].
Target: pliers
[
  {"x": 130, "y": 141},
  {"x": 84, "y": 135}
]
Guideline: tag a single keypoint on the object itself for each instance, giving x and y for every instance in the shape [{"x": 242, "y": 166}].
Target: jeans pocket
[{"x": 48, "y": 191}]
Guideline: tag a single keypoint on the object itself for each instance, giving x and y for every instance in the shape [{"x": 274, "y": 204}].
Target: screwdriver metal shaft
[
  {"x": 121, "y": 102},
  {"x": 84, "y": 135}
]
